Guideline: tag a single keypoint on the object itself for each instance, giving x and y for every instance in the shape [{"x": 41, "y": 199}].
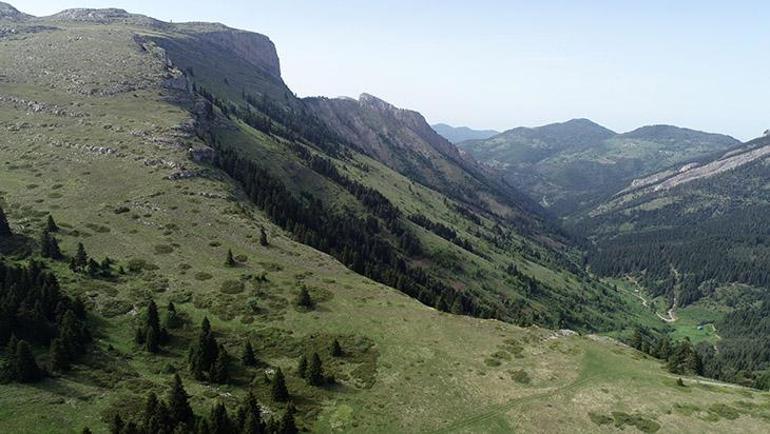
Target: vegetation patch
[
  {"x": 642, "y": 423},
  {"x": 232, "y": 287}
]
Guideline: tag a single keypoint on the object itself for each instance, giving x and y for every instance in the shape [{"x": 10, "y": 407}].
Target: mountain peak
[
  {"x": 461, "y": 134},
  {"x": 9, "y": 12}
]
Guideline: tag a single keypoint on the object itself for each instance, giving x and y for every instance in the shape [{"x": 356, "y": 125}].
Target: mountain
[
  {"x": 461, "y": 134},
  {"x": 573, "y": 165},
  {"x": 173, "y": 204},
  {"x": 9, "y": 13}
]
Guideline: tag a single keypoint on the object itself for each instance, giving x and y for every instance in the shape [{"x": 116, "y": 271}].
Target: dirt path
[
  {"x": 586, "y": 376},
  {"x": 671, "y": 313}
]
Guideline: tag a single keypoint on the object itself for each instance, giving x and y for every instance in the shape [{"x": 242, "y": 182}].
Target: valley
[{"x": 188, "y": 246}]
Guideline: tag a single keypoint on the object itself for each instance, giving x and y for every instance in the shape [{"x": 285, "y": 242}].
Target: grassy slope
[{"x": 433, "y": 370}]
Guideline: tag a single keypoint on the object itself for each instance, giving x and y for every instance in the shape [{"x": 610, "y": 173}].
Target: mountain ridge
[{"x": 462, "y": 133}]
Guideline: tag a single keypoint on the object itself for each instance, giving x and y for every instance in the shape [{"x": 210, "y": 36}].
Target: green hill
[
  {"x": 172, "y": 149},
  {"x": 574, "y": 165}
]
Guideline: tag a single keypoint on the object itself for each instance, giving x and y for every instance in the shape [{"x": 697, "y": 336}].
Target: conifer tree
[
  {"x": 302, "y": 366},
  {"x": 81, "y": 257},
  {"x": 151, "y": 422},
  {"x": 86, "y": 430},
  {"x": 220, "y": 371},
  {"x": 287, "y": 424},
  {"x": 204, "y": 352},
  {"x": 25, "y": 366},
  {"x": 57, "y": 354},
  {"x": 219, "y": 421},
  {"x": 179, "y": 404},
  {"x": 250, "y": 418},
  {"x": 50, "y": 225},
  {"x": 263, "y": 237},
  {"x": 153, "y": 319},
  {"x": 5, "y": 228},
  {"x": 172, "y": 320},
  {"x": 303, "y": 299},
  {"x": 152, "y": 341},
  {"x": 49, "y": 246},
  {"x": 315, "y": 375},
  {"x": 93, "y": 268},
  {"x": 248, "y": 358},
  {"x": 230, "y": 261},
  {"x": 116, "y": 424},
  {"x": 279, "y": 391},
  {"x": 336, "y": 349}
]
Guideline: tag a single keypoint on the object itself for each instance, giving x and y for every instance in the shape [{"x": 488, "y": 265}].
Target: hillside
[
  {"x": 461, "y": 134},
  {"x": 696, "y": 235},
  {"x": 574, "y": 165},
  {"x": 176, "y": 151}
]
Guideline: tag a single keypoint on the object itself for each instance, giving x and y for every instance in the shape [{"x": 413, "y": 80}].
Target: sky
[{"x": 502, "y": 64}]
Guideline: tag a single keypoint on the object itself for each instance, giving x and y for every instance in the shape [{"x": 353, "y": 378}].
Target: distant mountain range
[
  {"x": 571, "y": 165},
  {"x": 461, "y": 134}
]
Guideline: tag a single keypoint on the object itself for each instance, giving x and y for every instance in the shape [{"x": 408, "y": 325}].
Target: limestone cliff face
[{"x": 254, "y": 48}]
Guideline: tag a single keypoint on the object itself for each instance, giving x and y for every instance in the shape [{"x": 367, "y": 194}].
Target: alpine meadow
[{"x": 188, "y": 246}]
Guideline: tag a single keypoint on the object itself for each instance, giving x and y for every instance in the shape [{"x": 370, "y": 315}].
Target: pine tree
[
  {"x": 151, "y": 422},
  {"x": 230, "y": 261},
  {"x": 81, "y": 257},
  {"x": 204, "y": 352},
  {"x": 263, "y": 238},
  {"x": 73, "y": 334},
  {"x": 57, "y": 354},
  {"x": 303, "y": 299},
  {"x": 219, "y": 421},
  {"x": 279, "y": 391},
  {"x": 251, "y": 419},
  {"x": 302, "y": 366},
  {"x": 86, "y": 430},
  {"x": 93, "y": 269},
  {"x": 5, "y": 228},
  {"x": 179, "y": 404},
  {"x": 152, "y": 341},
  {"x": 287, "y": 424},
  {"x": 315, "y": 375},
  {"x": 50, "y": 225},
  {"x": 220, "y": 372},
  {"x": 172, "y": 319},
  {"x": 248, "y": 358},
  {"x": 25, "y": 366},
  {"x": 116, "y": 425},
  {"x": 336, "y": 349},
  {"x": 49, "y": 246},
  {"x": 153, "y": 319}
]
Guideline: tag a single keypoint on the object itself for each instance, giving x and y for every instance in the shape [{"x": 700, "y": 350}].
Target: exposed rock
[
  {"x": 254, "y": 48},
  {"x": 106, "y": 16},
  {"x": 202, "y": 154}
]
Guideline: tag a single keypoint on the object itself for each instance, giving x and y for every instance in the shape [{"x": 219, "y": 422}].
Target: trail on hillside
[
  {"x": 497, "y": 410},
  {"x": 671, "y": 313}
]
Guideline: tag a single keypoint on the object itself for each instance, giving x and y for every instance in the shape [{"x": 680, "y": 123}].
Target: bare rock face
[
  {"x": 8, "y": 12},
  {"x": 255, "y": 48}
]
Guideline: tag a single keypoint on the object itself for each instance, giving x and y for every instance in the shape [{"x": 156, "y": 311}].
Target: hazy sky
[{"x": 500, "y": 64}]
